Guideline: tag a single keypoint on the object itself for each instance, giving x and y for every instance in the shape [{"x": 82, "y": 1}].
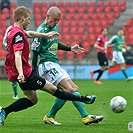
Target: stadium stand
[
  {"x": 78, "y": 19},
  {"x": 5, "y": 15},
  {"x": 81, "y": 22}
]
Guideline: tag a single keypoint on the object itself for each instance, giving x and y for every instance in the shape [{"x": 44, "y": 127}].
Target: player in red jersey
[
  {"x": 101, "y": 55},
  {"x": 18, "y": 69}
]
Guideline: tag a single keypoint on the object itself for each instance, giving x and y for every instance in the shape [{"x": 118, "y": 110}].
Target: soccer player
[
  {"x": 118, "y": 59},
  {"x": 14, "y": 84},
  {"x": 49, "y": 67},
  {"x": 101, "y": 56},
  {"x": 18, "y": 68}
]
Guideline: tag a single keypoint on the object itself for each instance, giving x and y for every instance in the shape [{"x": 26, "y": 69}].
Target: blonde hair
[{"x": 19, "y": 12}]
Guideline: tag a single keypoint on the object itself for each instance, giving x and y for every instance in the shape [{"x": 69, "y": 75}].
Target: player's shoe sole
[
  {"x": 91, "y": 119},
  {"x": 50, "y": 121},
  {"x": 97, "y": 82}
]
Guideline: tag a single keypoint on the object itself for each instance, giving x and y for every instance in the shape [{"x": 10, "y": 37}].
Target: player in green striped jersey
[
  {"x": 49, "y": 67},
  {"x": 118, "y": 59}
]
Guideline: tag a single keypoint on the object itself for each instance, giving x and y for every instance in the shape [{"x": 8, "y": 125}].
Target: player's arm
[
  {"x": 63, "y": 47},
  {"x": 98, "y": 47},
  {"x": 33, "y": 34},
  {"x": 110, "y": 42},
  {"x": 34, "y": 60},
  {"x": 18, "y": 63},
  {"x": 97, "y": 44},
  {"x": 76, "y": 48}
]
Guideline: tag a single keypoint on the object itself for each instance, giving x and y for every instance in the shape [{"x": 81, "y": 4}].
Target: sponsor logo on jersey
[
  {"x": 53, "y": 49},
  {"x": 18, "y": 38}
]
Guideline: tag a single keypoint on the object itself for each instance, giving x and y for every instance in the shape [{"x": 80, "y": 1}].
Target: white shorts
[
  {"x": 52, "y": 72},
  {"x": 118, "y": 57}
]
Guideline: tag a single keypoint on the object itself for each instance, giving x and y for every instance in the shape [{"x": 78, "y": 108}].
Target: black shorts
[
  {"x": 33, "y": 82},
  {"x": 102, "y": 59}
]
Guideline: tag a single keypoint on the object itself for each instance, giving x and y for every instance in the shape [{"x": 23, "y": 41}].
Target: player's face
[
  {"x": 52, "y": 20},
  {"x": 120, "y": 32},
  {"x": 105, "y": 32},
  {"x": 26, "y": 22}
]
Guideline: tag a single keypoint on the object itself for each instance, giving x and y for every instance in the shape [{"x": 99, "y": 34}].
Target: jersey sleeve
[
  {"x": 111, "y": 40},
  {"x": 99, "y": 40},
  {"x": 18, "y": 41},
  {"x": 36, "y": 44}
]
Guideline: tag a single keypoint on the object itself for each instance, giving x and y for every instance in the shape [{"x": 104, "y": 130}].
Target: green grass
[{"x": 30, "y": 120}]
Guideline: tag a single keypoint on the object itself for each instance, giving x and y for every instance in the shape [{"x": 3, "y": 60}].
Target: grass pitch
[{"x": 30, "y": 120}]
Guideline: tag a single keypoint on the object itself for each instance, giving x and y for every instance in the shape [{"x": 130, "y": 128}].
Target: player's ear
[
  {"x": 22, "y": 18},
  {"x": 47, "y": 15}
]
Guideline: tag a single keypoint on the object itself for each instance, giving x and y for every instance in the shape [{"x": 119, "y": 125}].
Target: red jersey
[
  {"x": 17, "y": 41},
  {"x": 101, "y": 42}
]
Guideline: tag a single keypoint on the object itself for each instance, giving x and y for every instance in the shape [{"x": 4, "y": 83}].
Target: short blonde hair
[{"x": 19, "y": 12}]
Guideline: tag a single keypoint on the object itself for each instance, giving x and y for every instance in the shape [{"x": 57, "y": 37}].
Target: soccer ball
[
  {"x": 124, "y": 50},
  {"x": 118, "y": 104}
]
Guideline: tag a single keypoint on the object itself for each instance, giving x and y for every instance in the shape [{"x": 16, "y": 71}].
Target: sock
[
  {"x": 58, "y": 104},
  {"x": 18, "y": 105},
  {"x": 67, "y": 96},
  {"x": 14, "y": 86},
  {"x": 80, "y": 106},
  {"x": 97, "y": 71},
  {"x": 99, "y": 75},
  {"x": 124, "y": 72}
]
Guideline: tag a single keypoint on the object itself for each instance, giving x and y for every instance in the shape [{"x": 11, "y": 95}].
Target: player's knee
[{"x": 34, "y": 100}]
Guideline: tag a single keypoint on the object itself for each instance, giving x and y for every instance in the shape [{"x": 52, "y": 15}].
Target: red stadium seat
[
  {"x": 108, "y": 3},
  {"x": 84, "y": 4},
  {"x": 52, "y": 3},
  {"x": 80, "y": 30},
  {"x": 80, "y": 56},
  {"x": 73, "y": 30},
  {"x": 68, "y": 4},
  {"x": 61, "y": 54},
  {"x": 70, "y": 55},
  {"x": 91, "y": 29},
  {"x": 99, "y": 9},
  {"x": 85, "y": 38},
  {"x": 60, "y": 4},
  {"x": 116, "y": 9},
  {"x": 91, "y": 9},
  {"x": 36, "y": 4},
  {"x": 122, "y": 5},
  {"x": 44, "y": 4},
  {"x": 65, "y": 30},
  {"x": 86, "y": 45},
  {"x": 108, "y": 9},
  {"x": 115, "y": 3},
  {"x": 6, "y": 12},
  {"x": 100, "y": 3},
  {"x": 92, "y": 4},
  {"x": 37, "y": 16},
  {"x": 13, "y": 5},
  {"x": 37, "y": 10}
]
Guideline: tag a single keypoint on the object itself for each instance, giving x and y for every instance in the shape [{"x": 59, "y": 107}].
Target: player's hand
[
  {"x": 21, "y": 78},
  {"x": 51, "y": 34},
  {"x": 77, "y": 49}
]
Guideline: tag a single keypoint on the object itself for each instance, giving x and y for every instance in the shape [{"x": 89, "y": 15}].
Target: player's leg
[
  {"x": 57, "y": 75},
  {"x": 103, "y": 62},
  {"x": 14, "y": 86},
  {"x": 86, "y": 118},
  {"x": 20, "y": 104}
]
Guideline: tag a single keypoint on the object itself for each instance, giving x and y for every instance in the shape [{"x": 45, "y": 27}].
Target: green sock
[
  {"x": 80, "y": 106},
  {"x": 124, "y": 72},
  {"x": 58, "y": 104},
  {"x": 14, "y": 86}
]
